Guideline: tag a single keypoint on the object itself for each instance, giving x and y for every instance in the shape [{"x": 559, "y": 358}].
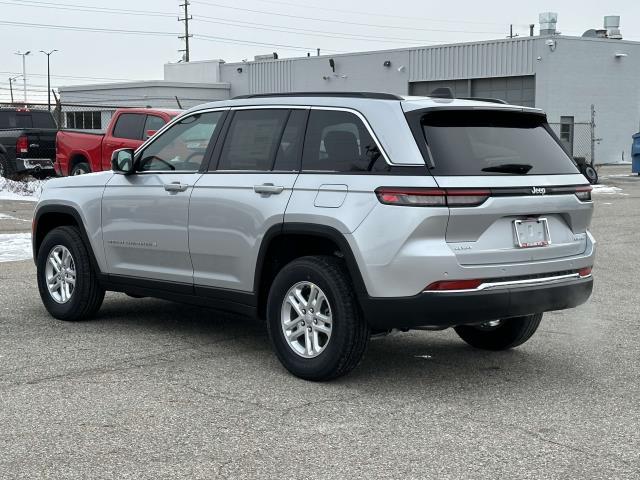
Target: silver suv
[{"x": 334, "y": 217}]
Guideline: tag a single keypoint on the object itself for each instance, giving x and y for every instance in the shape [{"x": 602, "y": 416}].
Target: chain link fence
[
  {"x": 91, "y": 118},
  {"x": 578, "y": 139}
]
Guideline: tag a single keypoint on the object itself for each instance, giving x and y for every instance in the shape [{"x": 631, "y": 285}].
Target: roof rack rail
[
  {"x": 373, "y": 95},
  {"x": 485, "y": 99}
]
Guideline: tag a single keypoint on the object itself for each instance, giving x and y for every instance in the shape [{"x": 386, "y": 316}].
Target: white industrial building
[{"x": 560, "y": 74}]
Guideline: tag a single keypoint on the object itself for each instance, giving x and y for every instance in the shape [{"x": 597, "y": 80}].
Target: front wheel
[
  {"x": 67, "y": 281},
  {"x": 313, "y": 319},
  {"x": 500, "y": 334}
]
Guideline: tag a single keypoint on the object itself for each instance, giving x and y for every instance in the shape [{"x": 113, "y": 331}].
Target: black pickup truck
[{"x": 27, "y": 142}]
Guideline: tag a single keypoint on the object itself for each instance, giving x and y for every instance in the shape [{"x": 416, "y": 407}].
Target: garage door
[
  {"x": 460, "y": 88},
  {"x": 515, "y": 90}
]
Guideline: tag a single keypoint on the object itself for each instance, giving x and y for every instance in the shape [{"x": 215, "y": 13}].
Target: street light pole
[
  {"x": 48, "y": 54},
  {"x": 24, "y": 71}
]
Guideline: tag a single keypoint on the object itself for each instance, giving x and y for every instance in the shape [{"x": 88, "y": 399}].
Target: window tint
[
  {"x": 129, "y": 125},
  {"x": 338, "y": 141},
  {"x": 31, "y": 119},
  {"x": 153, "y": 123},
  {"x": 252, "y": 139},
  {"x": 24, "y": 120},
  {"x": 493, "y": 143},
  {"x": 183, "y": 146},
  {"x": 42, "y": 120},
  {"x": 290, "y": 149}
]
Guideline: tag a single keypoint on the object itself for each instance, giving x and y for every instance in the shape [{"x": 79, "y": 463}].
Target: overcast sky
[{"x": 237, "y": 29}]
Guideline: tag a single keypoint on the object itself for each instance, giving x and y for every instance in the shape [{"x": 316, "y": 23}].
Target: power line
[
  {"x": 343, "y": 22},
  {"x": 226, "y": 21},
  {"x": 385, "y": 15},
  {"x": 85, "y": 8},
  {"x": 210, "y": 38},
  {"x": 88, "y": 29},
  {"x": 152, "y": 33},
  {"x": 315, "y": 33}
]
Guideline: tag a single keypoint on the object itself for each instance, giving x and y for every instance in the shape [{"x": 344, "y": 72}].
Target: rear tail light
[
  {"x": 448, "y": 285},
  {"x": 584, "y": 193},
  {"x": 22, "y": 144},
  {"x": 585, "y": 272},
  {"x": 432, "y": 197}
]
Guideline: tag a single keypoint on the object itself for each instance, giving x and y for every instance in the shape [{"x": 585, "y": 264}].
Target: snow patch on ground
[
  {"x": 606, "y": 190},
  {"x": 4, "y": 216},
  {"x": 27, "y": 190},
  {"x": 15, "y": 247}
]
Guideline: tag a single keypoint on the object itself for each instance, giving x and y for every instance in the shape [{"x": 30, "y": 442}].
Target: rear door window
[
  {"x": 129, "y": 125},
  {"x": 338, "y": 141},
  {"x": 253, "y": 139},
  {"x": 491, "y": 143}
]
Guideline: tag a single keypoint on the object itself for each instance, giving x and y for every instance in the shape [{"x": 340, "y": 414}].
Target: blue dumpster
[{"x": 635, "y": 154}]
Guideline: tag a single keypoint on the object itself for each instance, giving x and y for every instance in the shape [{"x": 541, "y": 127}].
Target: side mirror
[
  {"x": 151, "y": 133},
  {"x": 122, "y": 161}
]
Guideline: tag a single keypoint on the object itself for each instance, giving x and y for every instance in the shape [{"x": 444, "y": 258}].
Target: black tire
[
  {"x": 6, "y": 168},
  {"x": 590, "y": 173},
  {"x": 350, "y": 333},
  {"x": 508, "y": 334},
  {"x": 87, "y": 296},
  {"x": 80, "y": 169}
]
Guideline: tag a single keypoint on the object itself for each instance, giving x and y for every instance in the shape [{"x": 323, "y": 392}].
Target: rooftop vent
[
  {"x": 548, "y": 23},
  {"x": 612, "y": 25}
]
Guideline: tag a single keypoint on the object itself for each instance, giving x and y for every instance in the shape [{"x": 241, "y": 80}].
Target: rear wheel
[
  {"x": 6, "y": 169},
  {"x": 500, "y": 334},
  {"x": 80, "y": 169},
  {"x": 67, "y": 282},
  {"x": 313, "y": 319}
]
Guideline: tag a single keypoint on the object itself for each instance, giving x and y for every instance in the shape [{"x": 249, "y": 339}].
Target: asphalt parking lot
[{"x": 152, "y": 389}]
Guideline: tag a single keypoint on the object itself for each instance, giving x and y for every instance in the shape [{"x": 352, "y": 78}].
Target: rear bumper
[
  {"x": 448, "y": 309},
  {"x": 33, "y": 164}
]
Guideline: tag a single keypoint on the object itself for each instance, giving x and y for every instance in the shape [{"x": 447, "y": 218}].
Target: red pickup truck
[{"x": 83, "y": 152}]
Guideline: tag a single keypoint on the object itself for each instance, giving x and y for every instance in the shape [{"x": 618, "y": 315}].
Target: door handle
[
  {"x": 175, "y": 187},
  {"x": 268, "y": 189}
]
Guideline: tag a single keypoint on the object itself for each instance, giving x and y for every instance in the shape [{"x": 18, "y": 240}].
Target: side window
[
  {"x": 152, "y": 124},
  {"x": 129, "y": 125},
  {"x": 183, "y": 146},
  {"x": 253, "y": 139},
  {"x": 339, "y": 142},
  {"x": 290, "y": 148}
]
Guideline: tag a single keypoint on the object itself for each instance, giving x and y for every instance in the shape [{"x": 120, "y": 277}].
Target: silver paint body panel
[{"x": 211, "y": 233}]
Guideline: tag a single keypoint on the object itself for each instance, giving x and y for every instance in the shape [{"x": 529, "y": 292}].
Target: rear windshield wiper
[{"x": 519, "y": 168}]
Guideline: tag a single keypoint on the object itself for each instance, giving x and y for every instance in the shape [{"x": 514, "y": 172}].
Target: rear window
[
  {"x": 26, "y": 120},
  {"x": 463, "y": 142}
]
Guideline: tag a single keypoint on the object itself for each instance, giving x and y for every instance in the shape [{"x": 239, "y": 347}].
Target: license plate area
[{"x": 532, "y": 232}]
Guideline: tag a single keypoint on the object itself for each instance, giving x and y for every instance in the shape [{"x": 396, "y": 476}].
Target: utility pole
[
  {"x": 511, "y": 34},
  {"x": 48, "y": 78},
  {"x": 186, "y": 36},
  {"x": 11, "y": 80},
  {"x": 24, "y": 71}
]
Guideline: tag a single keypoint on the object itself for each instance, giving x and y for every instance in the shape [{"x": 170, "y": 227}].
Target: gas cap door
[{"x": 331, "y": 196}]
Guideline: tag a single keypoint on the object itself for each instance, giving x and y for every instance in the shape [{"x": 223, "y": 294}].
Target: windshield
[{"x": 486, "y": 142}]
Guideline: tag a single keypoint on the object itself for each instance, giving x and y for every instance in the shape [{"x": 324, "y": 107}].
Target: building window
[
  {"x": 566, "y": 133},
  {"x": 84, "y": 120}
]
